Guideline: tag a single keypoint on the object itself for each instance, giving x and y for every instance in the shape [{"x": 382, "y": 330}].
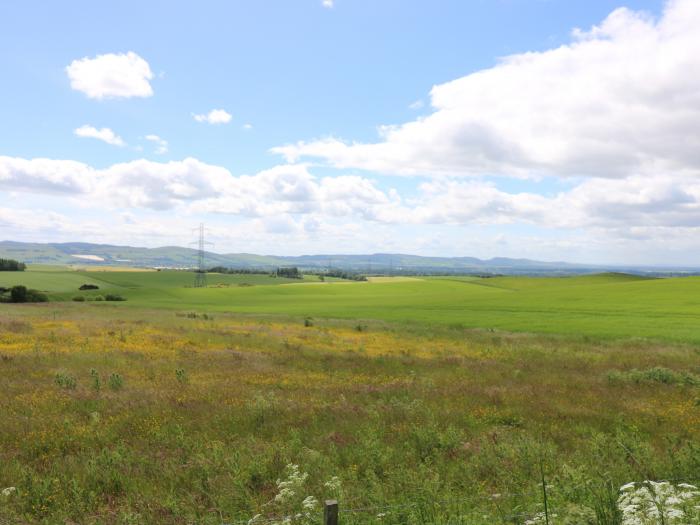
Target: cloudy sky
[{"x": 549, "y": 129}]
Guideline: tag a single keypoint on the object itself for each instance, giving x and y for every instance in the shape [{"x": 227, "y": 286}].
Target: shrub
[
  {"x": 89, "y": 287},
  {"x": 79, "y": 299},
  {"x": 98, "y": 298},
  {"x": 22, "y": 294},
  {"x": 114, "y": 297},
  {"x": 18, "y": 294}
]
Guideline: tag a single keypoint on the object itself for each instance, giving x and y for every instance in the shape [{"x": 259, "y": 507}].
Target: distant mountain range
[{"x": 87, "y": 254}]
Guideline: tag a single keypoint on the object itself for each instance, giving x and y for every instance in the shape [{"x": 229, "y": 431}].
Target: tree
[
  {"x": 10, "y": 265},
  {"x": 18, "y": 294}
]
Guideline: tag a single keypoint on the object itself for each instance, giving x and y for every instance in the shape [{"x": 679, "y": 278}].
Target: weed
[
  {"x": 66, "y": 381},
  {"x": 115, "y": 381}
]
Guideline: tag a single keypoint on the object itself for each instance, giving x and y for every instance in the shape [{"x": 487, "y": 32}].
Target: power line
[{"x": 200, "y": 275}]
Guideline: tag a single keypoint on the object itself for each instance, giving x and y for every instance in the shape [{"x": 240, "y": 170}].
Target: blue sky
[{"x": 538, "y": 155}]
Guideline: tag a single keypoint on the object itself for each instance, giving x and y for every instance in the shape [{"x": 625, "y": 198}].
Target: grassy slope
[{"x": 614, "y": 305}]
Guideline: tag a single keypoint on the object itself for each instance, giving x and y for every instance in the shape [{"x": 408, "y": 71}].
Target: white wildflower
[
  {"x": 309, "y": 504},
  {"x": 333, "y": 484},
  {"x": 652, "y": 502},
  {"x": 7, "y": 492}
]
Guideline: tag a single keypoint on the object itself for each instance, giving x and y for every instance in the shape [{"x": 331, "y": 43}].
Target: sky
[{"x": 547, "y": 129}]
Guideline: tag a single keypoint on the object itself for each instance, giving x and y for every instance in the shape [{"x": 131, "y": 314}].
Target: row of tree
[
  {"x": 251, "y": 271},
  {"x": 290, "y": 272},
  {"x": 10, "y": 265},
  {"x": 342, "y": 274}
]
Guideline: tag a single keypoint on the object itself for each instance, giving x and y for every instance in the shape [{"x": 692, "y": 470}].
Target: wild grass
[{"x": 166, "y": 418}]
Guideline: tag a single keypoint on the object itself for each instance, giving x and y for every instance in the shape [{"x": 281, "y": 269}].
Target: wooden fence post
[{"x": 330, "y": 512}]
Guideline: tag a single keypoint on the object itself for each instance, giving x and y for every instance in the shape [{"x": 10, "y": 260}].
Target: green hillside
[{"x": 608, "y": 305}]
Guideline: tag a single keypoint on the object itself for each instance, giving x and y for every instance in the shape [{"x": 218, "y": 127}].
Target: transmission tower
[{"x": 200, "y": 275}]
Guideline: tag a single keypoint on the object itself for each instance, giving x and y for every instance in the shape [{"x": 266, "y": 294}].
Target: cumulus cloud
[
  {"x": 622, "y": 98},
  {"x": 201, "y": 187},
  {"x": 215, "y": 116},
  {"x": 161, "y": 144},
  {"x": 120, "y": 75},
  {"x": 103, "y": 134},
  {"x": 327, "y": 3},
  {"x": 640, "y": 203}
]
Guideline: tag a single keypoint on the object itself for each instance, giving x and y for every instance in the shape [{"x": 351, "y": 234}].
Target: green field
[
  {"x": 604, "y": 305},
  {"x": 415, "y": 401}
]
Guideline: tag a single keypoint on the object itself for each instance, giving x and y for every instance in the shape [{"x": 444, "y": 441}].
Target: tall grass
[{"x": 159, "y": 418}]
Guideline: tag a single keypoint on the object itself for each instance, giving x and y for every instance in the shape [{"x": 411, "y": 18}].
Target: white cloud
[
  {"x": 161, "y": 144},
  {"x": 638, "y": 203},
  {"x": 215, "y": 116},
  {"x": 327, "y": 3},
  {"x": 247, "y": 126},
  {"x": 623, "y": 98},
  {"x": 103, "y": 134},
  {"x": 121, "y": 75}
]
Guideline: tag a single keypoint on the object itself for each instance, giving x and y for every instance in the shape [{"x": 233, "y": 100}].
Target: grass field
[
  {"x": 605, "y": 305},
  {"x": 423, "y": 401}
]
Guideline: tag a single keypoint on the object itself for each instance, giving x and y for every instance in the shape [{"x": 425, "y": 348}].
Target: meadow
[
  {"x": 441, "y": 400},
  {"x": 603, "y": 305}
]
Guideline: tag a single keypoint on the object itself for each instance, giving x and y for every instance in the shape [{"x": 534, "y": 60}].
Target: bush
[
  {"x": 79, "y": 298},
  {"x": 89, "y": 287},
  {"x": 114, "y": 297},
  {"x": 18, "y": 294},
  {"x": 99, "y": 298},
  {"x": 22, "y": 294}
]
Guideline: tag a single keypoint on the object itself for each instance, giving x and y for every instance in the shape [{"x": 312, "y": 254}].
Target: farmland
[
  {"x": 603, "y": 305},
  {"x": 426, "y": 400}
]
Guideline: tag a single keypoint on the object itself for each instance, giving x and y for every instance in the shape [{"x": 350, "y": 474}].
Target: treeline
[
  {"x": 10, "y": 265},
  {"x": 291, "y": 272},
  {"x": 248, "y": 271},
  {"x": 342, "y": 274},
  {"x": 21, "y": 294}
]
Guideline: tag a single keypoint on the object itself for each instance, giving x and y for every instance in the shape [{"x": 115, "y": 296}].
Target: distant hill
[{"x": 177, "y": 257}]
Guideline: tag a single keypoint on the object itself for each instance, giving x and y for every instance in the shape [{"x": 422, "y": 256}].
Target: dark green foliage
[
  {"x": 114, "y": 297},
  {"x": 291, "y": 272},
  {"x": 342, "y": 274},
  {"x": 89, "y": 287},
  {"x": 79, "y": 298},
  {"x": 22, "y": 294},
  {"x": 245, "y": 271},
  {"x": 10, "y": 265}
]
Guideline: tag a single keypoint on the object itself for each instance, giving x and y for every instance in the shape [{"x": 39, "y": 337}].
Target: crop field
[{"x": 410, "y": 401}]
